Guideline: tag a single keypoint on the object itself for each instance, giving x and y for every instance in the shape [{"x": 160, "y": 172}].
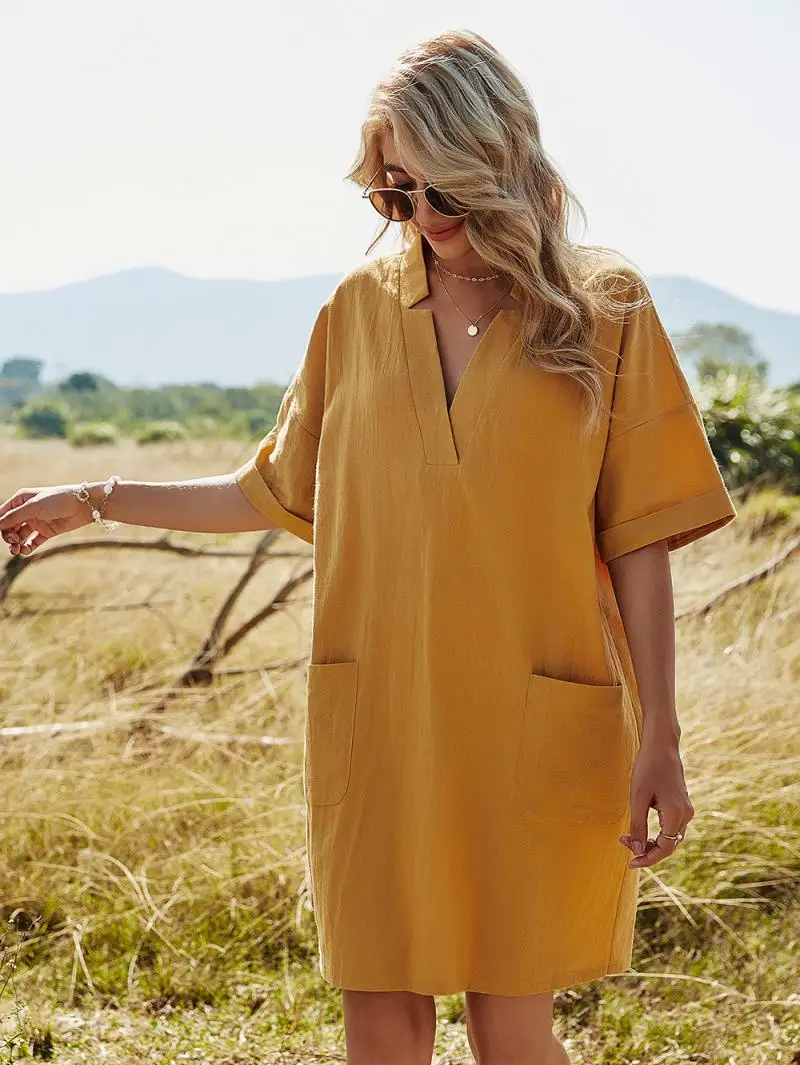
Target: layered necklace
[{"x": 472, "y": 327}]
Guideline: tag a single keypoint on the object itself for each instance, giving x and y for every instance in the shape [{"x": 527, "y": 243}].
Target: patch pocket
[
  {"x": 329, "y": 728},
  {"x": 576, "y": 753}
]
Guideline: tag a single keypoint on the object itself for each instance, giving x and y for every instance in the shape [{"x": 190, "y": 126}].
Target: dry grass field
[{"x": 151, "y": 862}]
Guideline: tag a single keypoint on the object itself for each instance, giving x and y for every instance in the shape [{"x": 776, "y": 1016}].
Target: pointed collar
[{"x": 414, "y": 276}]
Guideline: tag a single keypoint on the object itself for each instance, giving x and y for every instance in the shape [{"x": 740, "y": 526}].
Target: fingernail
[{"x": 638, "y": 847}]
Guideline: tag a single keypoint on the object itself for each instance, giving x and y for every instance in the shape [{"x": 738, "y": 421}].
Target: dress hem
[{"x": 568, "y": 978}]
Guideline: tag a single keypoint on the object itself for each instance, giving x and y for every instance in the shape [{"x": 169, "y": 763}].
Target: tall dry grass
[{"x": 146, "y": 868}]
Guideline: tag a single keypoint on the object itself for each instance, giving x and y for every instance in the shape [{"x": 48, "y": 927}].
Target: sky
[{"x": 212, "y": 138}]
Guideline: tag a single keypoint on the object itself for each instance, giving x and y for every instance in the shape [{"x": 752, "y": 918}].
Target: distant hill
[
  {"x": 153, "y": 326},
  {"x": 682, "y": 302}
]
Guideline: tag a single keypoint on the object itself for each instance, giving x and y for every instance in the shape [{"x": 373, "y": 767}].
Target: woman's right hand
[{"x": 32, "y": 516}]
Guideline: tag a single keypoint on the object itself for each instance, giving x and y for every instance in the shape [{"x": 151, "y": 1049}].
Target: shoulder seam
[
  {"x": 661, "y": 414},
  {"x": 305, "y": 428}
]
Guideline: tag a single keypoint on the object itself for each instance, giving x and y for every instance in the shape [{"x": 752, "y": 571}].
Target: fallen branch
[
  {"x": 17, "y": 564},
  {"x": 762, "y": 480},
  {"x": 82, "y": 728},
  {"x": 770, "y": 567},
  {"x": 25, "y": 612},
  {"x": 226, "y": 737},
  {"x": 53, "y": 728}
]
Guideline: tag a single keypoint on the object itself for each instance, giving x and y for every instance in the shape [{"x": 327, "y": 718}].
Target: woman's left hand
[{"x": 658, "y": 781}]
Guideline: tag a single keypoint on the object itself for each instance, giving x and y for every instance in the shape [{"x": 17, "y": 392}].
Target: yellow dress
[{"x": 467, "y": 754}]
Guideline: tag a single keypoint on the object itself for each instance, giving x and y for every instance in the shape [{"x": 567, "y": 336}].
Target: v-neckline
[
  {"x": 476, "y": 353},
  {"x": 446, "y": 432}
]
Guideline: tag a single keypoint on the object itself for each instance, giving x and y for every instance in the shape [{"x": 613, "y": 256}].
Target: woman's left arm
[{"x": 642, "y": 582}]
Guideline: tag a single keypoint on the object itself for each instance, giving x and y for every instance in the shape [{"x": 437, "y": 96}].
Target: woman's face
[{"x": 447, "y": 237}]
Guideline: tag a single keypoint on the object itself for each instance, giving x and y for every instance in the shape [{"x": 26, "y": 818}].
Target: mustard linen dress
[{"x": 467, "y": 755}]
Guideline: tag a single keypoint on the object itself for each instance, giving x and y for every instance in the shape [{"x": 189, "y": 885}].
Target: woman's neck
[
  {"x": 469, "y": 294},
  {"x": 470, "y": 264}
]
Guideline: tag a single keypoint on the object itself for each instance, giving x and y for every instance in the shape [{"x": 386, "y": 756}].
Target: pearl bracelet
[{"x": 97, "y": 512}]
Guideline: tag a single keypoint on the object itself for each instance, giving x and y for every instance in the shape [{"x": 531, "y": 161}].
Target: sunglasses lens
[
  {"x": 443, "y": 204},
  {"x": 392, "y": 204}
]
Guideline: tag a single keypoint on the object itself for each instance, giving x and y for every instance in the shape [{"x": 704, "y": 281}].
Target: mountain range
[{"x": 150, "y": 326}]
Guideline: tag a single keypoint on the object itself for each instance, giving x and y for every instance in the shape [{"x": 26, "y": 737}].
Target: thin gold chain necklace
[
  {"x": 462, "y": 277},
  {"x": 472, "y": 327}
]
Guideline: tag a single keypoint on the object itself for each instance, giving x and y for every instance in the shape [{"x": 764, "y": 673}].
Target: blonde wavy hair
[{"x": 461, "y": 116}]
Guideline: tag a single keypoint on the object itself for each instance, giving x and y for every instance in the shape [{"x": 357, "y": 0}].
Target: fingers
[
  {"x": 657, "y": 849},
  {"x": 35, "y": 541},
  {"x": 17, "y": 525},
  {"x": 10, "y": 509},
  {"x": 638, "y": 834},
  {"x": 674, "y": 814},
  {"x": 45, "y": 514},
  {"x": 652, "y": 850},
  {"x": 25, "y": 538},
  {"x": 12, "y": 518},
  {"x": 18, "y": 538},
  {"x": 640, "y": 849}
]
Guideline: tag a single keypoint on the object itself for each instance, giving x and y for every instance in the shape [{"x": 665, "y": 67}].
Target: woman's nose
[{"x": 426, "y": 216}]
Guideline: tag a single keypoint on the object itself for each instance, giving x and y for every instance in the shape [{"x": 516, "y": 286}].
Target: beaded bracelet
[{"x": 97, "y": 512}]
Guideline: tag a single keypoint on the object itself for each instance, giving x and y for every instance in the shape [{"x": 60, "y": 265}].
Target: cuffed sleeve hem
[
  {"x": 679, "y": 525},
  {"x": 255, "y": 488}
]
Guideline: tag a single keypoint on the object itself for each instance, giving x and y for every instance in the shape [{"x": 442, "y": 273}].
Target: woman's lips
[{"x": 443, "y": 234}]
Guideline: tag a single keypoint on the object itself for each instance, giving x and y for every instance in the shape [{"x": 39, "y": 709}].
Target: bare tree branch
[
  {"x": 25, "y": 612},
  {"x": 279, "y": 600},
  {"x": 257, "y": 558},
  {"x": 286, "y": 663},
  {"x": 770, "y": 567},
  {"x": 214, "y": 647},
  {"x": 17, "y": 564}
]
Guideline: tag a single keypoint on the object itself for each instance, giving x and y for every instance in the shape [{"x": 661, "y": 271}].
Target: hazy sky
[{"x": 211, "y": 138}]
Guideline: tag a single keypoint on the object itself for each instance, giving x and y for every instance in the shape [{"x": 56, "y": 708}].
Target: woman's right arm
[{"x": 32, "y": 516}]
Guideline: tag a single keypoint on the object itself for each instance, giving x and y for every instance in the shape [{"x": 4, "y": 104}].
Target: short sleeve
[
  {"x": 659, "y": 479},
  {"x": 280, "y": 478}
]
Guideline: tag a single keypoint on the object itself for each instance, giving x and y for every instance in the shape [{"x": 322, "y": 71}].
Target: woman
[{"x": 492, "y": 448}]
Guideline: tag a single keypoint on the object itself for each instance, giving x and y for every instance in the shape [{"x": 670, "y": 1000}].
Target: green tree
[
  {"x": 43, "y": 418},
  {"x": 19, "y": 379},
  {"x": 23, "y": 367},
  {"x": 717, "y": 347},
  {"x": 85, "y": 381}
]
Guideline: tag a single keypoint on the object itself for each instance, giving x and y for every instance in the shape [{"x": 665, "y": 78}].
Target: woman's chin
[{"x": 455, "y": 248}]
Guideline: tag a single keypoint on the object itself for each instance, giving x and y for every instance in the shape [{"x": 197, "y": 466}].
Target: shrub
[
  {"x": 259, "y": 425},
  {"x": 251, "y": 425},
  {"x": 203, "y": 427},
  {"x": 93, "y": 434},
  {"x": 754, "y": 431},
  {"x": 42, "y": 419},
  {"x": 158, "y": 432}
]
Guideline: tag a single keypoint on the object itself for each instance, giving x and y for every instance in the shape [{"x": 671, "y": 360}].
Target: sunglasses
[{"x": 399, "y": 205}]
